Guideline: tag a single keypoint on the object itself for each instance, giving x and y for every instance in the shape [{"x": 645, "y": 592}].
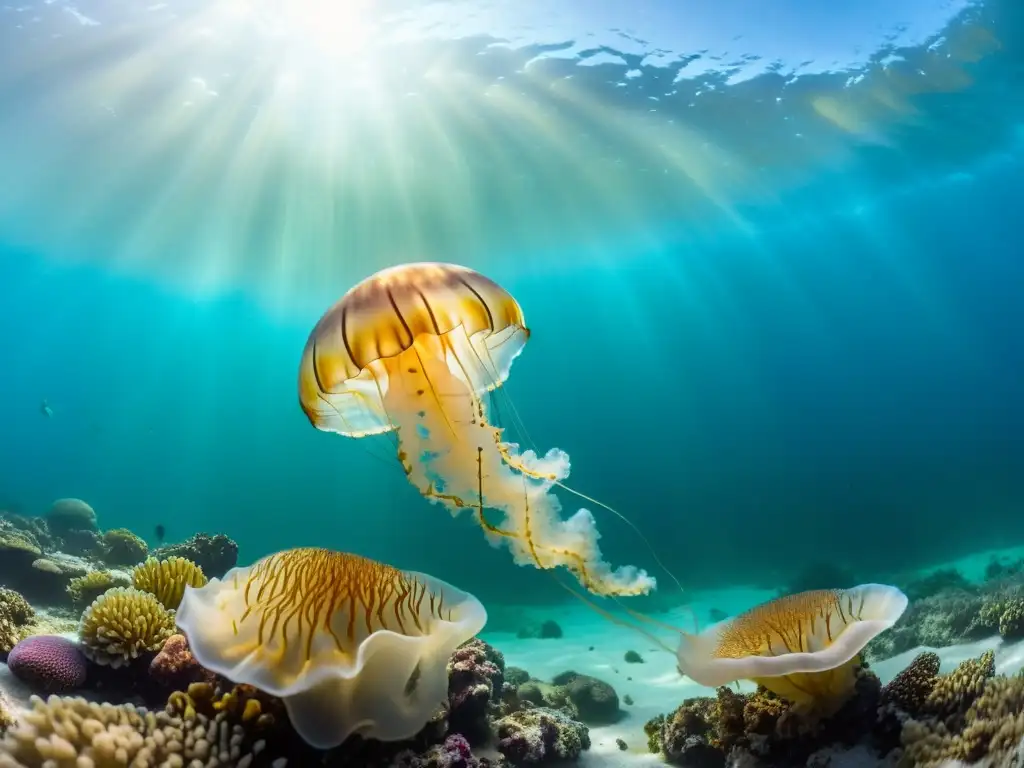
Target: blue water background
[{"x": 841, "y": 378}]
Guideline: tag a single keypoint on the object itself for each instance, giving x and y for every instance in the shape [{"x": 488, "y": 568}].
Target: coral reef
[
  {"x": 921, "y": 718},
  {"x": 539, "y": 735},
  {"x": 192, "y": 717},
  {"x": 175, "y": 668},
  {"x": 949, "y": 610},
  {"x": 64, "y": 732},
  {"x": 15, "y": 616},
  {"x": 214, "y": 554},
  {"x": 122, "y": 547},
  {"x": 167, "y": 579},
  {"x": 1003, "y": 612},
  {"x": 48, "y": 663},
  {"x": 123, "y": 623},
  {"x": 475, "y": 684},
  {"x": 84, "y": 589}
]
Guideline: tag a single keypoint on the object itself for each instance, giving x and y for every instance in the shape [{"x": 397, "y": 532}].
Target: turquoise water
[{"x": 772, "y": 280}]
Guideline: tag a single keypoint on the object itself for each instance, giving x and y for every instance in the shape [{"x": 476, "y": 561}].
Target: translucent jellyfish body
[
  {"x": 803, "y": 647},
  {"x": 349, "y": 644},
  {"x": 413, "y": 349}
]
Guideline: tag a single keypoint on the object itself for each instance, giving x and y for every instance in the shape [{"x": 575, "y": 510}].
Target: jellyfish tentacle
[{"x": 421, "y": 344}]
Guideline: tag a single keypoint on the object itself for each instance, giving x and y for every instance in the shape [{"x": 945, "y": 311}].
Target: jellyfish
[
  {"x": 804, "y": 647},
  {"x": 414, "y": 350},
  {"x": 350, "y": 645}
]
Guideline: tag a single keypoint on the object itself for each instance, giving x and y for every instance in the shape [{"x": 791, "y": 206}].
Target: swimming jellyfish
[{"x": 413, "y": 349}]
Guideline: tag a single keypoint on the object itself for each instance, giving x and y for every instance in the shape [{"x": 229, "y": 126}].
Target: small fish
[
  {"x": 160, "y": 532},
  {"x": 45, "y": 409}
]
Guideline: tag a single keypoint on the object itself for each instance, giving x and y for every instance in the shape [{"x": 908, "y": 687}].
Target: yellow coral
[
  {"x": 15, "y": 615},
  {"x": 122, "y": 623},
  {"x": 16, "y": 541},
  {"x": 85, "y": 589},
  {"x": 122, "y": 547},
  {"x": 167, "y": 579},
  {"x": 992, "y": 726},
  {"x": 64, "y": 732}
]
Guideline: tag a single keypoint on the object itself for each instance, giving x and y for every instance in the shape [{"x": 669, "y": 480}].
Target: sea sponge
[
  {"x": 804, "y": 647},
  {"x": 85, "y": 589},
  {"x": 65, "y": 732},
  {"x": 122, "y": 547},
  {"x": 71, "y": 515},
  {"x": 48, "y": 663},
  {"x": 121, "y": 624},
  {"x": 350, "y": 645},
  {"x": 15, "y": 615},
  {"x": 167, "y": 579}
]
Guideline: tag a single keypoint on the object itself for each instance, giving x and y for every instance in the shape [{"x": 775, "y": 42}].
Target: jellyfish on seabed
[{"x": 415, "y": 349}]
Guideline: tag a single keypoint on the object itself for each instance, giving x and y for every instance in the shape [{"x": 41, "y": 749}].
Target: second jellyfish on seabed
[{"x": 415, "y": 349}]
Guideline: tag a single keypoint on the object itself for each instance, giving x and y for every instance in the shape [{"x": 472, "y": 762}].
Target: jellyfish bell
[
  {"x": 414, "y": 349},
  {"x": 443, "y": 311}
]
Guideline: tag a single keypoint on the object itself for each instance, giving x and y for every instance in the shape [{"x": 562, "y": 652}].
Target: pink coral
[
  {"x": 48, "y": 663},
  {"x": 475, "y": 678},
  {"x": 175, "y": 666}
]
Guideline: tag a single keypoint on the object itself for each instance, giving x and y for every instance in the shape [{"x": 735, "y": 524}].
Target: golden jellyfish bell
[
  {"x": 468, "y": 320},
  {"x": 413, "y": 349}
]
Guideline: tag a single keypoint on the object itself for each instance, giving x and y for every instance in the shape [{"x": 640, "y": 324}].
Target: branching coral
[
  {"x": 66, "y": 732},
  {"x": 167, "y": 579},
  {"x": 122, "y": 547},
  {"x": 969, "y": 716},
  {"x": 121, "y": 624},
  {"x": 1003, "y": 612}
]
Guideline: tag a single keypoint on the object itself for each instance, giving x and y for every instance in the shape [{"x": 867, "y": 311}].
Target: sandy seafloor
[{"x": 655, "y": 686}]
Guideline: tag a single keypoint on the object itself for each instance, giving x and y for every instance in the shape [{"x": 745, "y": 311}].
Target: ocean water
[{"x": 772, "y": 271}]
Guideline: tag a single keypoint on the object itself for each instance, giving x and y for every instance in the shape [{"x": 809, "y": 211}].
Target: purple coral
[
  {"x": 48, "y": 663},
  {"x": 475, "y": 679},
  {"x": 456, "y": 753}
]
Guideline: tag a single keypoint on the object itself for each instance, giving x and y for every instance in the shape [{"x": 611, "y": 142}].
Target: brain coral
[
  {"x": 167, "y": 579},
  {"x": 121, "y": 624},
  {"x": 48, "y": 663},
  {"x": 71, "y": 515}
]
